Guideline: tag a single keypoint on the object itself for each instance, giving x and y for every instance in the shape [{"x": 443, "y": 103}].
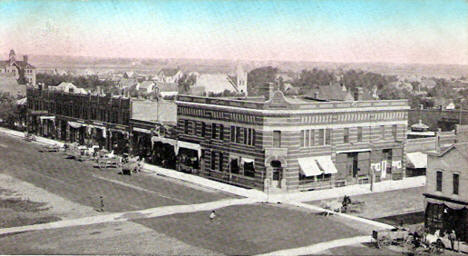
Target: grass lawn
[
  {"x": 251, "y": 229},
  {"x": 15, "y": 211}
]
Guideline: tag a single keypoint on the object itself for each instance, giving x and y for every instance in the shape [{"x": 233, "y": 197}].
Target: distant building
[
  {"x": 9, "y": 85},
  {"x": 24, "y": 72},
  {"x": 446, "y": 192},
  {"x": 169, "y": 75},
  {"x": 68, "y": 88},
  {"x": 146, "y": 87},
  {"x": 215, "y": 83},
  {"x": 332, "y": 92}
]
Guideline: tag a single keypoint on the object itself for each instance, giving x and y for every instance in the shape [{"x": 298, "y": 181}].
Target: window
[
  {"x": 220, "y": 162},
  {"x": 213, "y": 131},
  {"x": 346, "y": 135},
  {"x": 253, "y": 137},
  {"x": 277, "y": 139},
  {"x": 359, "y": 134},
  {"x": 382, "y": 131},
  {"x": 394, "y": 131},
  {"x": 213, "y": 160},
  {"x": 233, "y": 134},
  {"x": 185, "y": 126},
  {"x": 328, "y": 137},
  {"x": 311, "y": 137},
  {"x": 221, "y": 132},
  {"x": 245, "y": 135},
  {"x": 456, "y": 178},
  {"x": 439, "y": 181},
  {"x": 321, "y": 137},
  {"x": 203, "y": 129},
  {"x": 238, "y": 135},
  {"x": 303, "y": 138}
]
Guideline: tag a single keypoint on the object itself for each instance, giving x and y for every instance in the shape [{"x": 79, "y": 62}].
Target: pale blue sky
[{"x": 406, "y": 31}]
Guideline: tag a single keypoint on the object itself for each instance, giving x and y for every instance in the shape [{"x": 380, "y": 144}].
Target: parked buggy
[
  {"x": 352, "y": 206},
  {"x": 395, "y": 236},
  {"x": 29, "y": 137},
  {"x": 51, "y": 148}
]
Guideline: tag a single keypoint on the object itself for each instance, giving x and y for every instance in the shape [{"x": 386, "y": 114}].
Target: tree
[
  {"x": 258, "y": 77},
  {"x": 186, "y": 82}
]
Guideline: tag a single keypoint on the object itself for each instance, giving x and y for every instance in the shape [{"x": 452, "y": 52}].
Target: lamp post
[{"x": 461, "y": 110}]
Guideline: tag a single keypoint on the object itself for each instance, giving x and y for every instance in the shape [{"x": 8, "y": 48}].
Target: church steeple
[{"x": 12, "y": 56}]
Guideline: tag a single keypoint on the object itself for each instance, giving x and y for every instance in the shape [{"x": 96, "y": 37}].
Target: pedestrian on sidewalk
[
  {"x": 212, "y": 215},
  {"x": 452, "y": 237}
]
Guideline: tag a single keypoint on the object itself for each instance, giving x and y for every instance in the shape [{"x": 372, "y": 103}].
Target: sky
[{"x": 398, "y": 31}]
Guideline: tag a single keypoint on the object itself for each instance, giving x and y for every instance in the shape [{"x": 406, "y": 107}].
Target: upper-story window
[
  {"x": 439, "y": 181},
  {"x": 346, "y": 135},
  {"x": 276, "y": 139},
  {"x": 328, "y": 137},
  {"x": 382, "y": 131},
  {"x": 307, "y": 138},
  {"x": 394, "y": 131},
  {"x": 213, "y": 131},
  {"x": 359, "y": 134},
  {"x": 456, "y": 180},
  {"x": 186, "y": 126},
  {"x": 203, "y": 129}
]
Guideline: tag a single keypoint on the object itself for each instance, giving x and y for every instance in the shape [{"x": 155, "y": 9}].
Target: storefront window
[{"x": 439, "y": 181}]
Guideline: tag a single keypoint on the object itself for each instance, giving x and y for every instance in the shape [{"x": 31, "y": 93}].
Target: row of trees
[
  {"x": 87, "y": 82},
  {"x": 309, "y": 79}
]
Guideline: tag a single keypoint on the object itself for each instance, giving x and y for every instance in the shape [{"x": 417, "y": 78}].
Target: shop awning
[
  {"x": 309, "y": 166},
  {"x": 417, "y": 159},
  {"x": 188, "y": 145},
  {"x": 47, "y": 118},
  {"x": 164, "y": 140},
  {"x": 75, "y": 124},
  {"x": 246, "y": 160},
  {"x": 136, "y": 129},
  {"x": 326, "y": 164}
]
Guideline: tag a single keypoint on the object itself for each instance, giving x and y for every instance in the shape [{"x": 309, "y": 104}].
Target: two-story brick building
[
  {"x": 85, "y": 119},
  {"x": 446, "y": 192},
  {"x": 289, "y": 144}
]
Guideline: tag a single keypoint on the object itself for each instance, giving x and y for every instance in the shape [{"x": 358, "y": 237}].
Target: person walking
[
  {"x": 212, "y": 215},
  {"x": 452, "y": 237}
]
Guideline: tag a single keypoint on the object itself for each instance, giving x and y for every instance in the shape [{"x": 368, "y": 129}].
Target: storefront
[
  {"x": 316, "y": 172},
  {"x": 47, "y": 126},
  {"x": 164, "y": 152},
  {"x": 118, "y": 141},
  {"x": 141, "y": 142},
  {"x": 77, "y": 132},
  {"x": 446, "y": 215},
  {"x": 188, "y": 157}
]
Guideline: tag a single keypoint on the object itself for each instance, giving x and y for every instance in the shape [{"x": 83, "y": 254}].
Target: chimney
[
  {"x": 267, "y": 91},
  {"x": 358, "y": 93},
  {"x": 437, "y": 146},
  {"x": 25, "y": 58}
]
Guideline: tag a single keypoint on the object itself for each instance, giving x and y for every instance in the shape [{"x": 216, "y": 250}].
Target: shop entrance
[{"x": 277, "y": 172}]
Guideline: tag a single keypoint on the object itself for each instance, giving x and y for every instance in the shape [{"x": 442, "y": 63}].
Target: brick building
[
  {"x": 24, "y": 72},
  {"x": 290, "y": 144},
  {"x": 446, "y": 192},
  {"x": 85, "y": 119}
]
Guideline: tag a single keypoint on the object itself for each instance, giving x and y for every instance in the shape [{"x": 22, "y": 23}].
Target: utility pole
[{"x": 461, "y": 110}]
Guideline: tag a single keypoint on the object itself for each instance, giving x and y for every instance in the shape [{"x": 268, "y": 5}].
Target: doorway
[{"x": 277, "y": 171}]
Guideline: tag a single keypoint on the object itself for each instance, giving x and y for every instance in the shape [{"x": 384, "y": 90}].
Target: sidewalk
[
  {"x": 39, "y": 139},
  {"x": 131, "y": 215},
  {"x": 204, "y": 182},
  {"x": 351, "y": 190},
  {"x": 320, "y": 247}
]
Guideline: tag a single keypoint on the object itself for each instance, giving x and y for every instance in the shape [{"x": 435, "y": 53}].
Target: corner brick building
[{"x": 278, "y": 143}]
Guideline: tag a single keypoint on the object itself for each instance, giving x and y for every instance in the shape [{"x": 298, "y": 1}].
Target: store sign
[{"x": 397, "y": 164}]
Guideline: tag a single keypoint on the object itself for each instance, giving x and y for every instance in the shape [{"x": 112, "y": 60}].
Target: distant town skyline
[{"x": 396, "y": 31}]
